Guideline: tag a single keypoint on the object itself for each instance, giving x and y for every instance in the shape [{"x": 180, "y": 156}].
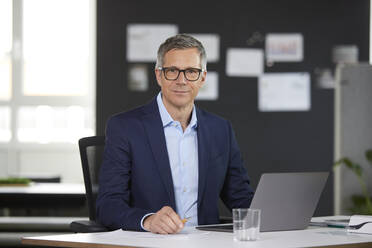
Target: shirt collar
[{"x": 167, "y": 119}]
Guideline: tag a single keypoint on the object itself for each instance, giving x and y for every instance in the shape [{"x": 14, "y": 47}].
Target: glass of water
[{"x": 246, "y": 223}]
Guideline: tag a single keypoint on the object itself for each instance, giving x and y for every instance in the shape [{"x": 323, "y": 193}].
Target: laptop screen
[{"x": 287, "y": 201}]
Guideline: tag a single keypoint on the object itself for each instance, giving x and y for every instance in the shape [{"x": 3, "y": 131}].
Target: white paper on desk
[
  {"x": 284, "y": 47},
  {"x": 244, "y": 62},
  {"x": 211, "y": 43},
  {"x": 361, "y": 219},
  {"x": 181, "y": 235},
  {"x": 143, "y": 40},
  {"x": 209, "y": 91},
  {"x": 284, "y": 92},
  {"x": 119, "y": 235}
]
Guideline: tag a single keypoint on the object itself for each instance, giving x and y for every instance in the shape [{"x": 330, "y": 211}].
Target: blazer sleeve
[
  {"x": 113, "y": 201},
  {"x": 236, "y": 191}
]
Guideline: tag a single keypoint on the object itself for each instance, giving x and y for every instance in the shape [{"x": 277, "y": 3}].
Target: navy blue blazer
[{"x": 136, "y": 179}]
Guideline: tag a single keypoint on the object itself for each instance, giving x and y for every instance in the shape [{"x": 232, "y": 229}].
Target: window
[
  {"x": 47, "y": 83},
  {"x": 55, "y": 52},
  {"x": 6, "y": 30},
  {"x": 5, "y": 134}
]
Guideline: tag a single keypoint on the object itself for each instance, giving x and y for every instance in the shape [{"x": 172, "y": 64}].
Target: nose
[{"x": 181, "y": 78}]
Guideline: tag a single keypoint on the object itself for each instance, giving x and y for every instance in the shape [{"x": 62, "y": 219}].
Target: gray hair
[{"x": 181, "y": 41}]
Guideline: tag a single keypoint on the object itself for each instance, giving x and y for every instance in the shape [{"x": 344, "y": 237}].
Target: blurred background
[{"x": 67, "y": 66}]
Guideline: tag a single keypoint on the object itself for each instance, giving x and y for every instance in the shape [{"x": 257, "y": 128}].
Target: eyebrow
[{"x": 175, "y": 67}]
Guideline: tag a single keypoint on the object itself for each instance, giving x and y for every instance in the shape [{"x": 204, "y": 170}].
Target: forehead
[{"x": 182, "y": 58}]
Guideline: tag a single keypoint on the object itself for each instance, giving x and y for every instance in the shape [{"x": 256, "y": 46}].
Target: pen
[{"x": 184, "y": 220}]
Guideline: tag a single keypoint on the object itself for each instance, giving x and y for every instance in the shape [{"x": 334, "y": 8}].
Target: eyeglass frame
[{"x": 179, "y": 72}]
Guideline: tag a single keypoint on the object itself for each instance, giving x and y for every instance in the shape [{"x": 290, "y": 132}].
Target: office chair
[{"x": 91, "y": 151}]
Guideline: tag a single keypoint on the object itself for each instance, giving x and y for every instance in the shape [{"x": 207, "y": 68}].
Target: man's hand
[{"x": 165, "y": 221}]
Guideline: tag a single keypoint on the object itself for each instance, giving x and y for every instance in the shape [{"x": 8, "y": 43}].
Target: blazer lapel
[
  {"x": 154, "y": 129},
  {"x": 203, "y": 154}
]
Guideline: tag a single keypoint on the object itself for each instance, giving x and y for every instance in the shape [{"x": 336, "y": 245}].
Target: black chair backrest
[{"x": 91, "y": 151}]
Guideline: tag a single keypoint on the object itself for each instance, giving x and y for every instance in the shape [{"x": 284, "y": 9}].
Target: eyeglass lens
[{"x": 191, "y": 74}]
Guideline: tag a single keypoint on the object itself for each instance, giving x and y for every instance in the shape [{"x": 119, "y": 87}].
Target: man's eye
[
  {"x": 191, "y": 71},
  {"x": 172, "y": 70}
]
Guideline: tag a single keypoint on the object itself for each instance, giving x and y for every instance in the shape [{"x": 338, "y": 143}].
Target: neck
[{"x": 181, "y": 114}]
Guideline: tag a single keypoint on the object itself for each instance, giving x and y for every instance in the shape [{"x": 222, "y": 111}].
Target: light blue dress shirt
[{"x": 182, "y": 149}]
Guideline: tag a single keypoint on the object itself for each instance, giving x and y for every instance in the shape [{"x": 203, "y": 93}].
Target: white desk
[
  {"x": 45, "y": 188},
  {"x": 37, "y": 224},
  {"x": 312, "y": 237},
  {"x": 42, "y": 195}
]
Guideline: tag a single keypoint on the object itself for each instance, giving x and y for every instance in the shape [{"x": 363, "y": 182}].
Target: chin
[{"x": 181, "y": 102}]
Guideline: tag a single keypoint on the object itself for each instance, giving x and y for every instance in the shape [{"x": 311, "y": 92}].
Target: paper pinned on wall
[
  {"x": 143, "y": 40},
  {"x": 137, "y": 77},
  {"x": 209, "y": 91},
  {"x": 284, "y": 47},
  {"x": 211, "y": 43},
  {"x": 244, "y": 62},
  {"x": 284, "y": 92}
]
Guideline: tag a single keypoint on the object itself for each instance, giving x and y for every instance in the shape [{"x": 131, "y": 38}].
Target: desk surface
[
  {"x": 43, "y": 195},
  {"x": 45, "y": 188},
  {"x": 190, "y": 237},
  {"x": 37, "y": 224}
]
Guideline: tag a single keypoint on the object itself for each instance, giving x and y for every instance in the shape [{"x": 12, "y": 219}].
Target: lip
[{"x": 180, "y": 91}]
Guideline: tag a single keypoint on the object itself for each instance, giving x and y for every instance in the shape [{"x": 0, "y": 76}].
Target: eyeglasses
[{"x": 172, "y": 73}]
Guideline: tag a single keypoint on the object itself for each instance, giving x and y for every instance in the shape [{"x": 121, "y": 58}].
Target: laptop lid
[{"x": 288, "y": 200}]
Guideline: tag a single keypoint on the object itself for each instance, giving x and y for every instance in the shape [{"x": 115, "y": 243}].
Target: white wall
[
  {"x": 65, "y": 164},
  {"x": 353, "y": 130}
]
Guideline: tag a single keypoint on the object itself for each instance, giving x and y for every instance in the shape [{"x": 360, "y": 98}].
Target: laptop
[{"x": 287, "y": 201}]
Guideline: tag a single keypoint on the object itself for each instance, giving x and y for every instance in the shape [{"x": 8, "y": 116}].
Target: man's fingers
[
  {"x": 156, "y": 226},
  {"x": 168, "y": 222},
  {"x": 165, "y": 221},
  {"x": 166, "y": 227},
  {"x": 173, "y": 215},
  {"x": 167, "y": 210},
  {"x": 176, "y": 220},
  {"x": 158, "y": 229}
]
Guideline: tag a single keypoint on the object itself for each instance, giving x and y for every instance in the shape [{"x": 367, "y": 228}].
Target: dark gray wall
[{"x": 270, "y": 142}]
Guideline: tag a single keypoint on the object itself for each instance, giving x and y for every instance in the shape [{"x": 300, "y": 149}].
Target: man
[{"x": 167, "y": 163}]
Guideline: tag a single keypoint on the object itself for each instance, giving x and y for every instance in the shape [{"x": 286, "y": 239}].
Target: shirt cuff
[{"x": 143, "y": 218}]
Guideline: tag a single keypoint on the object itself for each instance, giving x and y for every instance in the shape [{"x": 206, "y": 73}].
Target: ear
[
  {"x": 158, "y": 76},
  {"x": 203, "y": 78}
]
